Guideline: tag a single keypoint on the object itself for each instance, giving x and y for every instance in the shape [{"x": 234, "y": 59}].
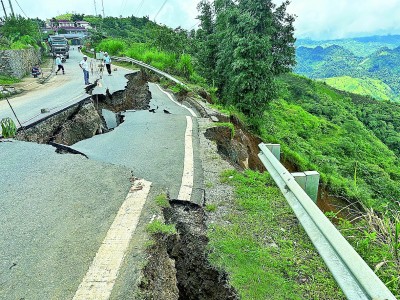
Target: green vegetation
[
  {"x": 265, "y": 251},
  {"x": 318, "y": 129},
  {"x": 157, "y": 227},
  {"x": 244, "y": 45},
  {"x": 8, "y": 128},
  {"x": 369, "y": 236},
  {"x": 362, "y": 86},
  {"x": 229, "y": 125},
  {"x": 4, "y": 79},
  {"x": 335, "y": 61},
  {"x": 162, "y": 200},
  {"x": 19, "y": 33},
  {"x": 353, "y": 141},
  {"x": 382, "y": 118},
  {"x": 210, "y": 207},
  {"x": 362, "y": 46}
]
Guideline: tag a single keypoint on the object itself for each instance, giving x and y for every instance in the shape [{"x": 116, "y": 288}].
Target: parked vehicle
[{"x": 59, "y": 45}]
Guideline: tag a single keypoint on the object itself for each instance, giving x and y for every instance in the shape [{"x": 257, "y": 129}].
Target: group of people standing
[{"x": 84, "y": 65}]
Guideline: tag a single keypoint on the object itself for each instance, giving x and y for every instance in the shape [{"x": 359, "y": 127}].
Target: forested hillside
[
  {"x": 360, "y": 46},
  {"x": 335, "y": 61},
  {"x": 325, "y": 130}
]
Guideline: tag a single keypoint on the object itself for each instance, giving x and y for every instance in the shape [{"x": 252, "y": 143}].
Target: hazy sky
[{"x": 318, "y": 19}]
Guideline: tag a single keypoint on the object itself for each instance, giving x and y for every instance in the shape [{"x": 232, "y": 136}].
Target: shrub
[
  {"x": 113, "y": 47},
  {"x": 8, "y": 128}
]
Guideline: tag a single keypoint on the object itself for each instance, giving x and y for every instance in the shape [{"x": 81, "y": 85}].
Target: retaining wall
[{"x": 18, "y": 63}]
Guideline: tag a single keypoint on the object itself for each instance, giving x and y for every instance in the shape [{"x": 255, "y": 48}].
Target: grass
[
  {"x": 157, "y": 227},
  {"x": 363, "y": 86},
  {"x": 162, "y": 200},
  {"x": 210, "y": 207},
  {"x": 262, "y": 247},
  {"x": 176, "y": 64},
  {"x": 376, "y": 237},
  {"x": 8, "y": 80}
]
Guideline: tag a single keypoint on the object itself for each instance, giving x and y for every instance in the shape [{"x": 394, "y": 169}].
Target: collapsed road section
[{"x": 95, "y": 115}]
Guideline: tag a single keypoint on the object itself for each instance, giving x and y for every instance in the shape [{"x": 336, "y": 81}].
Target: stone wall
[{"x": 18, "y": 63}]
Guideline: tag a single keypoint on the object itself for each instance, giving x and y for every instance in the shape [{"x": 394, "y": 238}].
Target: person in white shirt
[
  {"x": 59, "y": 64},
  {"x": 84, "y": 64},
  {"x": 107, "y": 61}
]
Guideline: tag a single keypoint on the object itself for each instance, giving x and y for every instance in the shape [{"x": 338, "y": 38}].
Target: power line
[
  {"x": 21, "y": 9},
  {"x": 162, "y": 6},
  {"x": 5, "y": 12},
  {"x": 12, "y": 10},
  {"x": 139, "y": 8},
  {"x": 123, "y": 4},
  {"x": 95, "y": 8}
]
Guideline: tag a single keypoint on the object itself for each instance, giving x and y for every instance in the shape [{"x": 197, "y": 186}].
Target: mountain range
[{"x": 375, "y": 75}]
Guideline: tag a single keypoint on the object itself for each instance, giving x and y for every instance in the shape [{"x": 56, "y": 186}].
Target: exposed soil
[
  {"x": 186, "y": 252},
  {"x": 241, "y": 149},
  {"x": 135, "y": 96}
]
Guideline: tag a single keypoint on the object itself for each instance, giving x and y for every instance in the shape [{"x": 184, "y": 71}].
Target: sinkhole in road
[
  {"x": 178, "y": 267},
  {"x": 97, "y": 114}
]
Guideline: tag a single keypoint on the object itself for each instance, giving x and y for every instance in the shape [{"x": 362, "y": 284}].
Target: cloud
[
  {"x": 327, "y": 19},
  {"x": 318, "y": 19}
]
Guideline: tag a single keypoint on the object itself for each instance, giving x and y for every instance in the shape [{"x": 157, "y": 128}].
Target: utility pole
[
  {"x": 102, "y": 3},
  {"x": 12, "y": 10},
  {"x": 5, "y": 12},
  {"x": 95, "y": 8}
]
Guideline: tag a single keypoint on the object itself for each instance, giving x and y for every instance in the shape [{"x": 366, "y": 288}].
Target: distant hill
[
  {"x": 336, "y": 61},
  {"x": 362, "y": 86},
  {"x": 362, "y": 46},
  {"x": 327, "y": 62}
]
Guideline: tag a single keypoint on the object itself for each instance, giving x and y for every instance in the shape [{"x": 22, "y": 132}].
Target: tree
[
  {"x": 17, "y": 27},
  {"x": 206, "y": 40},
  {"x": 77, "y": 17},
  {"x": 255, "y": 44}
]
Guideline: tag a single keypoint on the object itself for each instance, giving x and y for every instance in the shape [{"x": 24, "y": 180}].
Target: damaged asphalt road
[
  {"x": 54, "y": 212},
  {"x": 59, "y": 92},
  {"x": 150, "y": 144},
  {"x": 57, "y": 208}
]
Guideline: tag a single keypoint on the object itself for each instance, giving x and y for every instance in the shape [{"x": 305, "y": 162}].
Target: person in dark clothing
[
  {"x": 36, "y": 71},
  {"x": 107, "y": 61}
]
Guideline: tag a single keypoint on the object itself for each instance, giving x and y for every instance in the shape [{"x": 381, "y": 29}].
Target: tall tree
[
  {"x": 206, "y": 40},
  {"x": 255, "y": 44}
]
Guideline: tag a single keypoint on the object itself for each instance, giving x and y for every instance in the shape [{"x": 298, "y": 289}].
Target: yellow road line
[{"x": 103, "y": 272}]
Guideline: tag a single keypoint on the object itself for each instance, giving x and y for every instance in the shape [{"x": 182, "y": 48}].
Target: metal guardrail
[
  {"x": 140, "y": 63},
  {"x": 350, "y": 271}
]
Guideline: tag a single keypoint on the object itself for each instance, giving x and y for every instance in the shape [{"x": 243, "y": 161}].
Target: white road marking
[
  {"x": 103, "y": 272},
  {"x": 188, "y": 168},
  {"x": 177, "y": 103}
]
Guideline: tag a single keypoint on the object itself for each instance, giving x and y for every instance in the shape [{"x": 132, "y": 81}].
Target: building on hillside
[{"x": 74, "y": 31}]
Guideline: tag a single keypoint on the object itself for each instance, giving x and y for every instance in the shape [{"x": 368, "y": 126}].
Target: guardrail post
[
  {"x": 309, "y": 182},
  {"x": 275, "y": 149},
  {"x": 312, "y": 183},
  {"x": 301, "y": 179}
]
